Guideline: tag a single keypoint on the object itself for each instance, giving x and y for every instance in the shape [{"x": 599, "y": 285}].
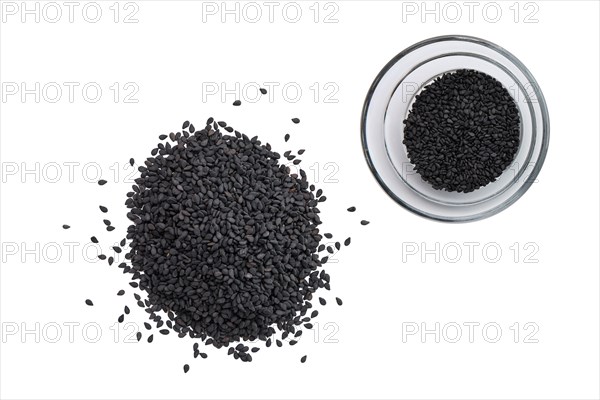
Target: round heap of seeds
[
  {"x": 462, "y": 131},
  {"x": 224, "y": 238}
]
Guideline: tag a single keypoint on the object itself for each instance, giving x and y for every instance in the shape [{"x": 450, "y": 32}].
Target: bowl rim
[{"x": 545, "y": 134}]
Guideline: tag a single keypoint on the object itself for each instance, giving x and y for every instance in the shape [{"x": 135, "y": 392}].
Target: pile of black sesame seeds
[
  {"x": 462, "y": 131},
  {"x": 224, "y": 241}
]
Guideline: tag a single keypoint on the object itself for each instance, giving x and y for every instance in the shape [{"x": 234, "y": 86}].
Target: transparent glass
[{"x": 391, "y": 97}]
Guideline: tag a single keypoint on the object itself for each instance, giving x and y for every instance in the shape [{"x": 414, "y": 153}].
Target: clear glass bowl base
[{"x": 390, "y": 99}]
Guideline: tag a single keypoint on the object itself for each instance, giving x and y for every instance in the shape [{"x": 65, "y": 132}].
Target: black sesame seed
[
  {"x": 93, "y": 239},
  {"x": 363, "y": 222},
  {"x": 106, "y": 222},
  {"x": 126, "y": 309},
  {"x": 66, "y": 226},
  {"x": 150, "y": 338},
  {"x": 347, "y": 242},
  {"x": 89, "y": 302},
  {"x": 121, "y": 318},
  {"x": 131, "y": 161},
  {"x": 286, "y": 137},
  {"x": 263, "y": 90},
  {"x": 462, "y": 131},
  {"x": 162, "y": 137},
  {"x": 185, "y": 125},
  {"x": 224, "y": 238},
  {"x": 186, "y": 368},
  {"x": 101, "y": 256},
  {"x": 296, "y": 120},
  {"x": 328, "y": 235},
  {"x": 110, "y": 228},
  {"x": 303, "y": 359},
  {"x": 120, "y": 292},
  {"x": 101, "y": 182},
  {"x": 322, "y": 301},
  {"x": 237, "y": 103},
  {"x": 103, "y": 209},
  {"x": 339, "y": 301},
  {"x": 351, "y": 209},
  {"x": 164, "y": 331},
  {"x": 117, "y": 249}
]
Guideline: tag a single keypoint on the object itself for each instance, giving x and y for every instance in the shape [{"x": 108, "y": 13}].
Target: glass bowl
[{"x": 390, "y": 98}]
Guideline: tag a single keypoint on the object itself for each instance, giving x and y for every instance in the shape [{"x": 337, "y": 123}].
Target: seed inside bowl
[{"x": 462, "y": 131}]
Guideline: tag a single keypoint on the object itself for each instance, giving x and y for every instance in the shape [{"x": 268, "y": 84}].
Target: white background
[{"x": 168, "y": 55}]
